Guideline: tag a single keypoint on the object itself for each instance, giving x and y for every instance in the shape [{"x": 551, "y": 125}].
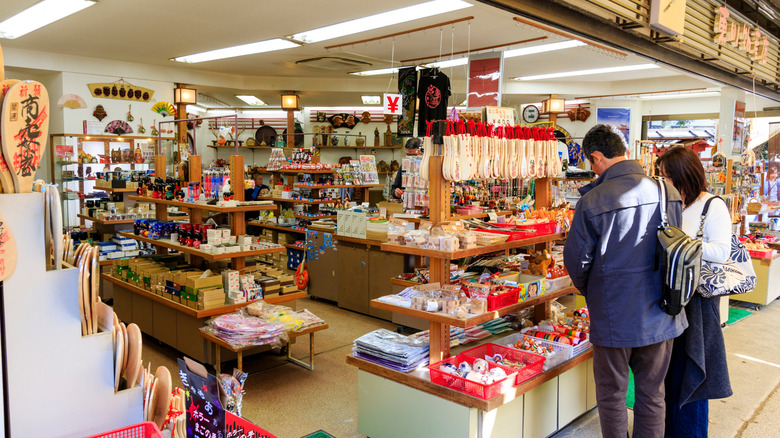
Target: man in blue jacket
[{"x": 610, "y": 254}]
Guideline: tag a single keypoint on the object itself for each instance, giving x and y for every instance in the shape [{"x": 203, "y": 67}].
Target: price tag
[
  {"x": 430, "y": 287},
  {"x": 451, "y": 288},
  {"x": 383, "y": 212},
  {"x": 426, "y": 225},
  {"x": 492, "y": 216},
  {"x": 398, "y": 222}
]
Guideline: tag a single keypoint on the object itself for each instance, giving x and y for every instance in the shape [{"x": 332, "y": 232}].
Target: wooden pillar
[
  {"x": 195, "y": 170},
  {"x": 290, "y": 129}
]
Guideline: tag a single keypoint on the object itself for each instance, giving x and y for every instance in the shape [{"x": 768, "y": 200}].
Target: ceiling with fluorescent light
[{"x": 151, "y": 32}]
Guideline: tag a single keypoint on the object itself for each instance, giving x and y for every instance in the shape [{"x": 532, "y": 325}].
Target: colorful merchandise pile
[{"x": 392, "y": 350}]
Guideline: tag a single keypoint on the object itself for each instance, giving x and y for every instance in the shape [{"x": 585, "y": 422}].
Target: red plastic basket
[
  {"x": 540, "y": 229},
  {"x": 533, "y": 364},
  {"x": 762, "y": 254},
  {"x": 495, "y": 302},
  {"x": 464, "y": 385},
  {"x": 140, "y": 430}
]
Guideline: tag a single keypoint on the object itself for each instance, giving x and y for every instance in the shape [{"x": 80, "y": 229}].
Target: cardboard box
[
  {"x": 194, "y": 284},
  {"x": 289, "y": 289}
]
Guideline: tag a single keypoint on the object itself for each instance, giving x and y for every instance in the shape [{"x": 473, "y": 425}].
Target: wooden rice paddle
[
  {"x": 161, "y": 395},
  {"x": 25, "y": 131},
  {"x": 134, "y": 347},
  {"x": 7, "y": 251},
  {"x": 6, "y": 180},
  {"x": 94, "y": 292}
]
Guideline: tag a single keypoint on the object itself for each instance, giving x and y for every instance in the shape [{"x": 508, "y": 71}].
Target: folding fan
[
  {"x": 119, "y": 127},
  {"x": 72, "y": 101},
  {"x": 165, "y": 109}
]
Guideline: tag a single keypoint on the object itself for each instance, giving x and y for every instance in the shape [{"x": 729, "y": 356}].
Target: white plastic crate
[
  {"x": 561, "y": 352},
  {"x": 559, "y": 283}
]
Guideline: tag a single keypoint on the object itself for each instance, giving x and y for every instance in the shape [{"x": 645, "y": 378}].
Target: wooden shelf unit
[
  {"x": 117, "y": 190},
  {"x": 206, "y": 207},
  {"x": 314, "y": 218},
  {"x": 167, "y": 243},
  {"x": 339, "y": 186},
  {"x": 275, "y": 227},
  {"x": 303, "y": 201},
  {"x": 105, "y": 222}
]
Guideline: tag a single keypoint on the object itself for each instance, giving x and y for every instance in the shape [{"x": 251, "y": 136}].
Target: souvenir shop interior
[{"x": 199, "y": 204}]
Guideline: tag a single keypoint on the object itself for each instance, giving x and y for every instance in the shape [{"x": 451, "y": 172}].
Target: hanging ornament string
[
  {"x": 392, "y": 66},
  {"x": 441, "y": 41}
]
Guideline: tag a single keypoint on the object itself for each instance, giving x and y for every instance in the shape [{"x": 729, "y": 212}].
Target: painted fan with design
[
  {"x": 118, "y": 127},
  {"x": 164, "y": 108}
]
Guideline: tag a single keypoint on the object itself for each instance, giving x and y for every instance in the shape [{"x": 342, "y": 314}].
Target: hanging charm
[
  {"x": 129, "y": 113},
  {"x": 141, "y": 129},
  {"x": 99, "y": 113},
  {"x": 154, "y": 128}
]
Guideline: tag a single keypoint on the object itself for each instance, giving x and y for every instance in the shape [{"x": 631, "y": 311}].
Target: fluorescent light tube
[
  {"x": 594, "y": 71},
  {"x": 371, "y": 100},
  {"x": 39, "y": 15},
  {"x": 448, "y": 63},
  {"x": 251, "y": 100},
  {"x": 381, "y": 71},
  {"x": 661, "y": 96},
  {"x": 542, "y": 48},
  {"x": 242, "y": 50},
  {"x": 383, "y": 19}
]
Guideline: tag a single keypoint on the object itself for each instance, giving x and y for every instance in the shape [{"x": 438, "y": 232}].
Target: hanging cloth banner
[
  {"x": 407, "y": 87},
  {"x": 485, "y": 80}
]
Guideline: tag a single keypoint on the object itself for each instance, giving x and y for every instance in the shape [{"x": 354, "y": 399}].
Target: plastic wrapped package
[
  {"x": 242, "y": 330},
  {"x": 449, "y": 242},
  {"x": 393, "y": 350},
  {"x": 231, "y": 391}
]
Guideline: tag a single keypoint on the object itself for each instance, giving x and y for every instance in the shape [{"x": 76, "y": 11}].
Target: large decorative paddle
[
  {"x": 25, "y": 130},
  {"x": 6, "y": 180},
  {"x": 7, "y": 251}
]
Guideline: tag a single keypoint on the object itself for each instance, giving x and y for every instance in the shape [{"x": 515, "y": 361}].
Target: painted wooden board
[
  {"x": 94, "y": 285},
  {"x": 161, "y": 396},
  {"x": 7, "y": 251},
  {"x": 5, "y": 172},
  {"x": 55, "y": 211},
  {"x": 134, "y": 347},
  {"x": 25, "y": 131},
  {"x": 105, "y": 317}
]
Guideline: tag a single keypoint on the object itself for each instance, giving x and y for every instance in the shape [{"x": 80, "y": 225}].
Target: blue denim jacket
[{"x": 610, "y": 254}]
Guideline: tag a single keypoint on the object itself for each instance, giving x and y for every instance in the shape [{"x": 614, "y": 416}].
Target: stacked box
[
  {"x": 231, "y": 281},
  {"x": 210, "y": 298},
  {"x": 271, "y": 286}
]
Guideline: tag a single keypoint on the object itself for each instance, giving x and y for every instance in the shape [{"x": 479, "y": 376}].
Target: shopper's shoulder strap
[
  {"x": 662, "y": 200},
  {"x": 704, "y": 210}
]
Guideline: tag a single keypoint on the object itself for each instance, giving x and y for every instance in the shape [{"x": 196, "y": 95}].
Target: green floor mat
[
  {"x": 735, "y": 314},
  {"x": 319, "y": 434},
  {"x": 630, "y": 393}
]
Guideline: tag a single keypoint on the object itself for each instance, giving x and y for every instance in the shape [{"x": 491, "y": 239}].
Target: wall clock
[{"x": 530, "y": 114}]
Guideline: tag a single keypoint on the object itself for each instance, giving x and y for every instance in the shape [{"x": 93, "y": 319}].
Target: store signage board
[
  {"x": 747, "y": 38},
  {"x": 498, "y": 115},
  {"x": 668, "y": 16},
  {"x": 485, "y": 78},
  {"x": 391, "y": 104},
  {"x": 205, "y": 416},
  {"x": 237, "y": 427}
]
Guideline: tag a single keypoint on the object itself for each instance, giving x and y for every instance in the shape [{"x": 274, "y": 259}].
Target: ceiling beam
[{"x": 477, "y": 50}]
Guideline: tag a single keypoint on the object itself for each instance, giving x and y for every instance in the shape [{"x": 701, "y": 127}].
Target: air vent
[{"x": 333, "y": 63}]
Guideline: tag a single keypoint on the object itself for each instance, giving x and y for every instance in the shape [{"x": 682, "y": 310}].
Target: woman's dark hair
[
  {"x": 412, "y": 143},
  {"x": 683, "y": 166},
  {"x": 605, "y": 139}
]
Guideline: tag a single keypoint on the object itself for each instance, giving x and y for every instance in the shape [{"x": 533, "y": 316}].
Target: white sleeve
[{"x": 716, "y": 244}]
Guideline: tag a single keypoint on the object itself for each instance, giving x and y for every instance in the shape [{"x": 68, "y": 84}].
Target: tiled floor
[{"x": 291, "y": 401}]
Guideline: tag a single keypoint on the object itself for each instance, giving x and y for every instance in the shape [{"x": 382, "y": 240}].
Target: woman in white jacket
[{"x": 698, "y": 371}]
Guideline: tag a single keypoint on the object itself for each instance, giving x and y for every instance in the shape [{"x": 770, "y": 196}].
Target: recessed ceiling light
[
  {"x": 383, "y": 19},
  {"x": 371, "y": 100},
  {"x": 594, "y": 71},
  {"x": 542, "y": 48},
  {"x": 39, "y": 15},
  {"x": 242, "y": 50},
  {"x": 251, "y": 100}
]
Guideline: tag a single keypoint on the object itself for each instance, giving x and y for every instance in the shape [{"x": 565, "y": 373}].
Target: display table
[
  {"x": 768, "y": 284},
  {"x": 218, "y": 342},
  {"x": 536, "y": 408},
  {"x": 170, "y": 322}
]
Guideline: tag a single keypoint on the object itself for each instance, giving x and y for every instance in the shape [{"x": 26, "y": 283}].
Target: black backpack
[{"x": 680, "y": 260}]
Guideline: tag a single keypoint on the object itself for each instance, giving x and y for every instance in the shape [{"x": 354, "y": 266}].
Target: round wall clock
[{"x": 530, "y": 114}]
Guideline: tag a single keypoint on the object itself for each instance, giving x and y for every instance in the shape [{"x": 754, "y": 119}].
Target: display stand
[
  {"x": 44, "y": 349},
  {"x": 768, "y": 284},
  {"x": 173, "y": 323}
]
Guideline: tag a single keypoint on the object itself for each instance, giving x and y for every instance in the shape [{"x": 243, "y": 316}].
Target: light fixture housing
[
  {"x": 250, "y": 99},
  {"x": 542, "y": 48},
  {"x": 39, "y": 15},
  {"x": 553, "y": 105},
  {"x": 242, "y": 50},
  {"x": 384, "y": 19},
  {"x": 371, "y": 100},
  {"x": 291, "y": 101},
  {"x": 185, "y": 96}
]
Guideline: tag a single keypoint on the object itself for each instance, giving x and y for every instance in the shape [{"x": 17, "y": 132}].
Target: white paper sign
[{"x": 391, "y": 104}]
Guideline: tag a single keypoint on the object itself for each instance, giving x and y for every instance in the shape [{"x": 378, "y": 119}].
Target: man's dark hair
[
  {"x": 412, "y": 143},
  {"x": 605, "y": 139}
]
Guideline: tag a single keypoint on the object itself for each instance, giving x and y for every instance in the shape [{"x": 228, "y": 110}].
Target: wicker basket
[{"x": 753, "y": 206}]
